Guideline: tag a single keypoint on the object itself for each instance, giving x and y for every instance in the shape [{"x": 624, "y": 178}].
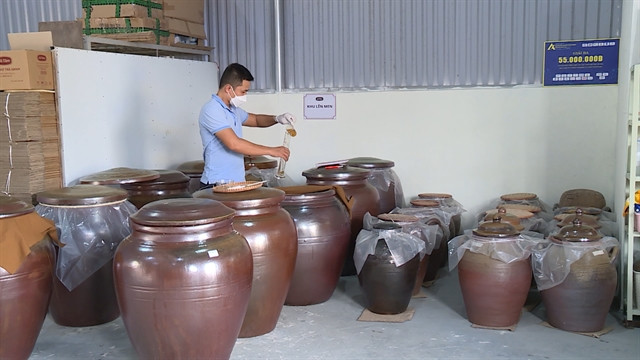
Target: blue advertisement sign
[{"x": 584, "y": 62}]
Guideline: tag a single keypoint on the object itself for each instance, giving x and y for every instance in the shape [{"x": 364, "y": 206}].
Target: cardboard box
[
  {"x": 189, "y": 10},
  {"x": 128, "y": 23},
  {"x": 26, "y": 70},
  {"x": 64, "y": 33},
  {"x": 188, "y": 28},
  {"x": 124, "y": 10}
]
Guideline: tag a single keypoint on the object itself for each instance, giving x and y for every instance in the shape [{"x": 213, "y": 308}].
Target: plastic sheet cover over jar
[
  {"x": 423, "y": 231},
  {"x": 402, "y": 246},
  {"x": 442, "y": 216},
  {"x": 91, "y": 221},
  {"x": 551, "y": 261},
  {"x": 507, "y": 250},
  {"x": 384, "y": 179},
  {"x": 606, "y": 219}
]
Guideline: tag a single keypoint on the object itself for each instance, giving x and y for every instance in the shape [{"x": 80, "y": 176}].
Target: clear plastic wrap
[
  {"x": 269, "y": 175},
  {"x": 432, "y": 215},
  {"x": 551, "y": 261},
  {"x": 540, "y": 222},
  {"x": 533, "y": 224},
  {"x": 431, "y": 234},
  {"x": 606, "y": 220},
  {"x": 449, "y": 204},
  {"x": 507, "y": 249},
  {"x": 90, "y": 235},
  {"x": 382, "y": 179},
  {"x": 402, "y": 246}
]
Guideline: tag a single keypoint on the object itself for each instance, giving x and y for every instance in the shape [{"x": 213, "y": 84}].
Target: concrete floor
[{"x": 438, "y": 330}]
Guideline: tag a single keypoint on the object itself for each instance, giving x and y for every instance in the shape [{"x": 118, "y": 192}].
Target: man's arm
[
  {"x": 245, "y": 147},
  {"x": 260, "y": 120}
]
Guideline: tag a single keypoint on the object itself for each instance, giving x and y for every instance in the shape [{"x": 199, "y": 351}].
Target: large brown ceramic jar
[
  {"x": 92, "y": 221},
  {"x": 271, "y": 234},
  {"x": 386, "y": 286},
  {"x": 447, "y": 203},
  {"x": 582, "y": 300},
  {"x": 432, "y": 213},
  {"x": 323, "y": 227},
  {"x": 26, "y": 265},
  {"x": 183, "y": 280},
  {"x": 363, "y": 198},
  {"x": 494, "y": 291},
  {"x": 411, "y": 225},
  {"x": 384, "y": 179},
  {"x": 193, "y": 169},
  {"x": 171, "y": 184}
]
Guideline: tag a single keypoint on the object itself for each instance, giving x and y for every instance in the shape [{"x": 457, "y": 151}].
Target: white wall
[{"x": 473, "y": 143}]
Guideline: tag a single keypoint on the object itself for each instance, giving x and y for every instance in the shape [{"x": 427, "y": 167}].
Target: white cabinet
[{"x": 630, "y": 243}]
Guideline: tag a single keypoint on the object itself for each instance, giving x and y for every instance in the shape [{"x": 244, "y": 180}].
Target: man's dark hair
[{"x": 234, "y": 74}]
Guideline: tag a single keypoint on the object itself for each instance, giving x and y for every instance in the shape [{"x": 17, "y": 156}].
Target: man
[{"x": 221, "y": 120}]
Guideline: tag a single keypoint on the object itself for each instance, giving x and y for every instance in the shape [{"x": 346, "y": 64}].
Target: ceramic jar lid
[
  {"x": 506, "y": 217},
  {"x": 518, "y": 196},
  {"x": 257, "y": 198},
  {"x": 434, "y": 196},
  {"x": 567, "y": 219},
  {"x": 166, "y": 177},
  {"x": 398, "y": 218},
  {"x": 10, "y": 207},
  {"x": 521, "y": 214},
  {"x": 195, "y": 167},
  {"x": 496, "y": 229},
  {"x": 260, "y": 162},
  {"x": 577, "y": 232},
  {"x": 386, "y": 225},
  {"x": 337, "y": 173},
  {"x": 370, "y": 163},
  {"x": 182, "y": 212},
  {"x": 83, "y": 194},
  {"x": 530, "y": 208},
  {"x": 585, "y": 210},
  {"x": 425, "y": 203},
  {"x": 121, "y": 175}
]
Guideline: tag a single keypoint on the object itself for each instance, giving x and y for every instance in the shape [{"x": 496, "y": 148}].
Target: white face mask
[{"x": 237, "y": 101}]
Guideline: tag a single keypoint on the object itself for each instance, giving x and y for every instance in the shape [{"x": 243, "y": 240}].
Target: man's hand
[
  {"x": 281, "y": 152},
  {"x": 286, "y": 119}
]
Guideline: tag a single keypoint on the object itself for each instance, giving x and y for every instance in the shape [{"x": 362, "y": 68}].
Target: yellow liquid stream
[{"x": 292, "y": 132}]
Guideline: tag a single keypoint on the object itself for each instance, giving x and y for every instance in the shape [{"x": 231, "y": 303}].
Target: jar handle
[{"x": 614, "y": 254}]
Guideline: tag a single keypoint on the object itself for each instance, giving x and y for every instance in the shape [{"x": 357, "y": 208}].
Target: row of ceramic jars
[{"x": 574, "y": 272}]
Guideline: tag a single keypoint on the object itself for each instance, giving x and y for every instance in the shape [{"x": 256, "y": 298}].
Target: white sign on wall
[{"x": 320, "y": 106}]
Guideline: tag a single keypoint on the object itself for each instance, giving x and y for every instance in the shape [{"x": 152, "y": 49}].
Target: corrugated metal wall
[
  {"x": 418, "y": 43},
  {"x": 376, "y": 44},
  {"x": 24, "y": 15}
]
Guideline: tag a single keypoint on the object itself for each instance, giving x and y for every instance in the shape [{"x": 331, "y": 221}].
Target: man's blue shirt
[{"x": 220, "y": 163}]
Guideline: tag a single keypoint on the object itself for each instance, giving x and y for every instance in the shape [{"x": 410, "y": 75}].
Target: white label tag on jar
[
  {"x": 598, "y": 252},
  {"x": 213, "y": 253}
]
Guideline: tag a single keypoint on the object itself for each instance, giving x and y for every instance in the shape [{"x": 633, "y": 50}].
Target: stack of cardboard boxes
[
  {"x": 29, "y": 143},
  {"x": 185, "y": 19},
  {"x": 163, "y": 22},
  {"x": 29, "y": 136}
]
